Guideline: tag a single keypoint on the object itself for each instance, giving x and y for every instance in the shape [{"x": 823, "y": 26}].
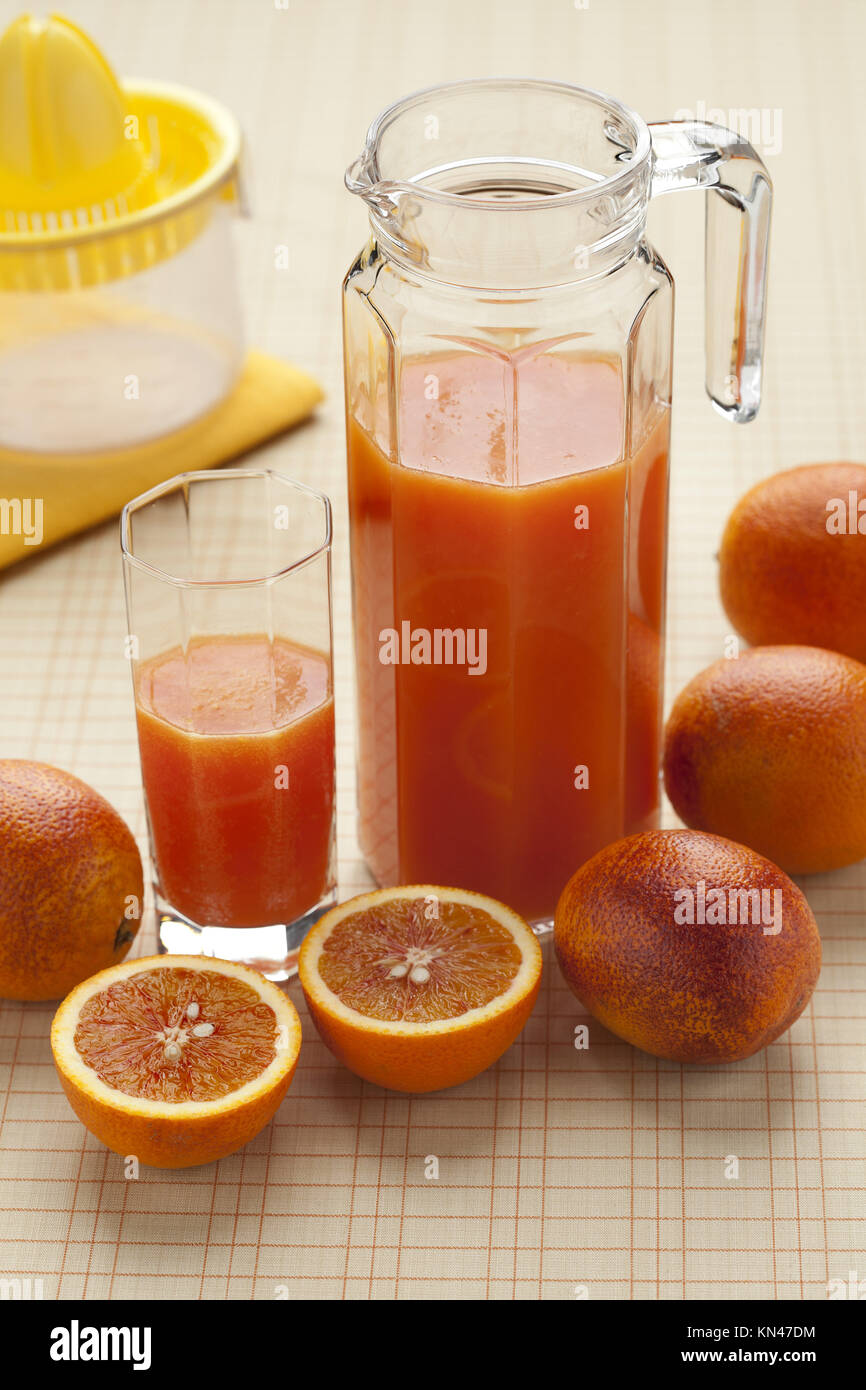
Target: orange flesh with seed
[
  {"x": 470, "y": 959},
  {"x": 124, "y": 1032}
]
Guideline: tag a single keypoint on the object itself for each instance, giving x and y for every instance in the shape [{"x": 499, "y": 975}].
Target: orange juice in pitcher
[{"x": 508, "y": 335}]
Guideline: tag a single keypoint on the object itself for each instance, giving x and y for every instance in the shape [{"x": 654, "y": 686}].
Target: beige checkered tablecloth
[{"x": 558, "y": 1170}]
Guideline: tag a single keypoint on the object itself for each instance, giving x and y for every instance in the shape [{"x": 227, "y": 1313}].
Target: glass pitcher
[{"x": 508, "y": 337}]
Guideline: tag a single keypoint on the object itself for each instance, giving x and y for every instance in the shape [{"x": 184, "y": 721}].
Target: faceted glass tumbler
[{"x": 228, "y": 591}]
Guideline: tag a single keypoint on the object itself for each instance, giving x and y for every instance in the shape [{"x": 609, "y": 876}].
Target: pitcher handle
[{"x": 693, "y": 154}]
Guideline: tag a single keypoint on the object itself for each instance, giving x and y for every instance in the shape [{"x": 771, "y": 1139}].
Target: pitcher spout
[{"x": 381, "y": 195}]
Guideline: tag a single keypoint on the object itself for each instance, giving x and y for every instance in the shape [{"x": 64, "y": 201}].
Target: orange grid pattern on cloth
[{"x": 560, "y": 1172}]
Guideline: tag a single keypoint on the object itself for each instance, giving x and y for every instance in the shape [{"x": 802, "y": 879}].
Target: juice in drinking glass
[
  {"x": 236, "y": 737},
  {"x": 228, "y": 592}
]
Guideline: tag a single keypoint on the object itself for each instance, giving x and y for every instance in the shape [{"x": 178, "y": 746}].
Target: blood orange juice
[
  {"x": 508, "y": 575},
  {"x": 237, "y": 753}
]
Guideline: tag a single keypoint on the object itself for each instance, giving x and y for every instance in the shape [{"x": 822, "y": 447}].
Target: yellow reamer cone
[{"x": 98, "y": 179}]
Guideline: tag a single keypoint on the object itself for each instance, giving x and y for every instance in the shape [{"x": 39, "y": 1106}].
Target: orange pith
[
  {"x": 137, "y": 1035},
  {"x": 173, "y": 1060},
  {"x": 418, "y": 988},
  {"x": 371, "y": 956}
]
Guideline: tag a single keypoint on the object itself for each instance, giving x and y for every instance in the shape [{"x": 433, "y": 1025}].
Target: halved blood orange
[
  {"x": 177, "y": 1060},
  {"x": 420, "y": 988}
]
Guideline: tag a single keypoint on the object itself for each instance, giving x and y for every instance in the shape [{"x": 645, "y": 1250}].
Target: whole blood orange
[
  {"x": 792, "y": 563},
  {"x": 71, "y": 885},
  {"x": 420, "y": 988},
  {"x": 770, "y": 749},
  {"x": 670, "y": 940},
  {"x": 177, "y": 1060}
]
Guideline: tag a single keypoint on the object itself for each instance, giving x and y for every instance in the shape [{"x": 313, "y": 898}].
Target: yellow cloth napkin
[{"x": 77, "y": 490}]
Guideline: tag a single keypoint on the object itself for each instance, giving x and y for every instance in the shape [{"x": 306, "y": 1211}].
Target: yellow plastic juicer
[{"x": 119, "y": 312}]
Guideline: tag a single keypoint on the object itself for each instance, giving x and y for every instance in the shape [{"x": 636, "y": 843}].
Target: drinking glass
[{"x": 228, "y": 592}]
